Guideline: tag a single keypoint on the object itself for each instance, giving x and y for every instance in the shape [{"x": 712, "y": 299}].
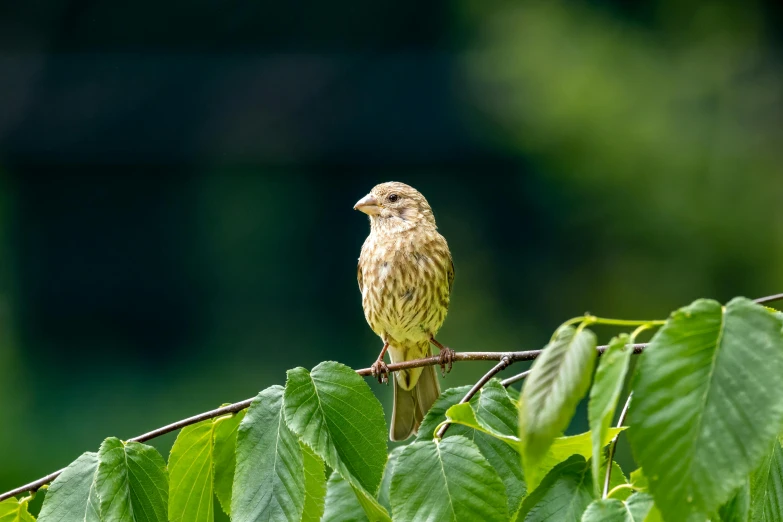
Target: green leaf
[
  {"x": 190, "y": 474},
  {"x": 315, "y": 485},
  {"x": 607, "y": 385},
  {"x": 766, "y": 487},
  {"x": 738, "y": 508},
  {"x": 563, "y": 495},
  {"x": 269, "y": 482},
  {"x": 492, "y": 418},
  {"x": 640, "y": 505},
  {"x": 12, "y": 510},
  {"x": 654, "y": 515},
  {"x": 639, "y": 481},
  {"x": 559, "y": 378},
  {"x": 372, "y": 508},
  {"x": 635, "y": 509},
  {"x": 495, "y": 411},
  {"x": 341, "y": 502},
  {"x": 93, "y": 513},
  {"x": 67, "y": 499},
  {"x": 561, "y": 449},
  {"x": 131, "y": 482},
  {"x": 708, "y": 402},
  {"x": 388, "y": 471},
  {"x": 606, "y": 510},
  {"x": 437, "y": 413},
  {"x": 224, "y": 455},
  {"x": 468, "y": 488},
  {"x": 464, "y": 415},
  {"x": 333, "y": 410},
  {"x": 617, "y": 479}
]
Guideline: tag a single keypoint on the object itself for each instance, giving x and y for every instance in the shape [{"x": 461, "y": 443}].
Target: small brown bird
[{"x": 405, "y": 276}]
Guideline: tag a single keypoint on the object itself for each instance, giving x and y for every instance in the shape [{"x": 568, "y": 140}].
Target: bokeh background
[{"x": 177, "y": 182}]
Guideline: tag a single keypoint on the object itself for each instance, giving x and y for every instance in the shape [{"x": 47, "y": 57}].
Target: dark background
[{"x": 177, "y": 182}]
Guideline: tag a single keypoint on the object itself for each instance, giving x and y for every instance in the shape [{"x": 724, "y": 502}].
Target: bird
[{"x": 405, "y": 276}]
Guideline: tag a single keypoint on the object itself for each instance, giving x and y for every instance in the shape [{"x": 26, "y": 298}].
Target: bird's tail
[{"x": 410, "y": 406}]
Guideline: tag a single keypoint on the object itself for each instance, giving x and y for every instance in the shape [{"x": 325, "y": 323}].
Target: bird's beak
[{"x": 369, "y": 205}]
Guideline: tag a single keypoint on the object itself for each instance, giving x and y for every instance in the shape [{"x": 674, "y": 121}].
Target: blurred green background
[{"x": 177, "y": 183}]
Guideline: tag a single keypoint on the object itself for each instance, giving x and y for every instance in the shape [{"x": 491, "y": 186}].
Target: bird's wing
[
  {"x": 359, "y": 277},
  {"x": 451, "y": 272}
]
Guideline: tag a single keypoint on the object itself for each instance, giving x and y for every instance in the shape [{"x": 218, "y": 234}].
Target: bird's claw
[
  {"x": 446, "y": 358},
  {"x": 380, "y": 371}
]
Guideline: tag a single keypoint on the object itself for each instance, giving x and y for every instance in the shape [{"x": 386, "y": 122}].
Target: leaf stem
[
  {"x": 618, "y": 487},
  {"x": 574, "y": 320},
  {"x": 591, "y": 319}
]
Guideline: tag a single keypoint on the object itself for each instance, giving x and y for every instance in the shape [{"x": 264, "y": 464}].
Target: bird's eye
[{"x": 393, "y": 197}]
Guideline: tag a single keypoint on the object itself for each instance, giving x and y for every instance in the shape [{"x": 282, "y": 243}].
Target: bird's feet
[
  {"x": 380, "y": 371},
  {"x": 446, "y": 358}
]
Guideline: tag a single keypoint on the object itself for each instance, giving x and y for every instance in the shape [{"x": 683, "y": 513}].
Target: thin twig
[
  {"x": 515, "y": 378},
  {"x": 427, "y": 361},
  {"x": 231, "y": 408},
  {"x": 768, "y": 299},
  {"x": 504, "y": 363},
  {"x": 613, "y": 445}
]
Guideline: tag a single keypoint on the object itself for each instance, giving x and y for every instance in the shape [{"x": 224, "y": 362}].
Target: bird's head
[{"x": 395, "y": 206}]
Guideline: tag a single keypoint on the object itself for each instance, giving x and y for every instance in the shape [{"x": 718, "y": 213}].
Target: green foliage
[
  {"x": 605, "y": 393},
  {"x": 493, "y": 421},
  {"x": 131, "y": 482},
  {"x": 190, "y": 472},
  {"x": 467, "y": 486},
  {"x": 72, "y": 495},
  {"x": 560, "y": 377},
  {"x": 437, "y": 413},
  {"x": 738, "y": 508},
  {"x": 341, "y": 501},
  {"x": 704, "y": 424},
  {"x": 563, "y": 495},
  {"x": 561, "y": 449},
  {"x": 12, "y": 510},
  {"x": 708, "y": 402},
  {"x": 201, "y": 466},
  {"x": 766, "y": 487},
  {"x": 224, "y": 456},
  {"x": 315, "y": 485},
  {"x": 635, "y": 509},
  {"x": 334, "y": 412},
  {"x": 269, "y": 481}
]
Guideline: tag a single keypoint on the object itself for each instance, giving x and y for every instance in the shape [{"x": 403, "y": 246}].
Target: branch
[
  {"x": 768, "y": 299},
  {"x": 510, "y": 357},
  {"x": 513, "y": 357},
  {"x": 516, "y": 378},
  {"x": 231, "y": 408}
]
